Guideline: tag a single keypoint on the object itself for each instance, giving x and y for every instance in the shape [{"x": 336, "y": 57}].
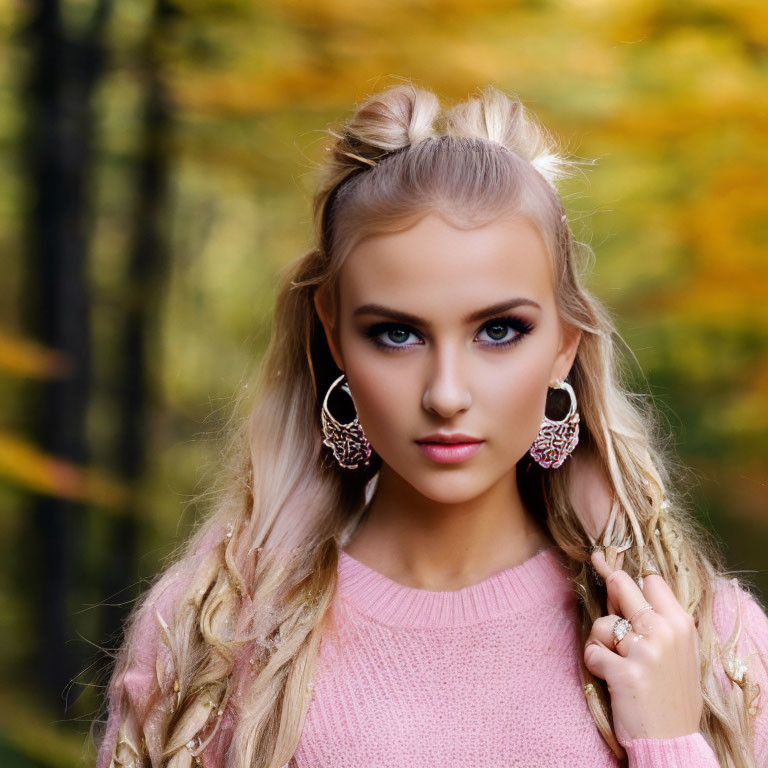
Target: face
[{"x": 443, "y": 330}]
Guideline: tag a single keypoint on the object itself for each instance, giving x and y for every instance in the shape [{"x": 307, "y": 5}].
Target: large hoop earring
[
  {"x": 348, "y": 442},
  {"x": 556, "y": 439}
]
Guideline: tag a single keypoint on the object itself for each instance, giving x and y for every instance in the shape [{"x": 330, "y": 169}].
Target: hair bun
[
  {"x": 393, "y": 119},
  {"x": 496, "y": 116}
]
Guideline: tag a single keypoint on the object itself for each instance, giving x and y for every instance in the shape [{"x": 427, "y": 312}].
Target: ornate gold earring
[
  {"x": 348, "y": 442},
  {"x": 557, "y": 439}
]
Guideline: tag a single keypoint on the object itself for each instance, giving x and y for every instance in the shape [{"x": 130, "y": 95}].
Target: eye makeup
[{"x": 520, "y": 327}]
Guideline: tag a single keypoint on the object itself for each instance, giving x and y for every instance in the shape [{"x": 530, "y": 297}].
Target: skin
[
  {"x": 654, "y": 680},
  {"x": 443, "y": 527},
  {"x": 436, "y": 526}
]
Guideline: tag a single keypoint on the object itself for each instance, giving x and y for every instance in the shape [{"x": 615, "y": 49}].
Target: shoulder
[
  {"x": 170, "y": 584},
  {"x": 741, "y": 632},
  {"x": 179, "y": 577},
  {"x": 733, "y": 599},
  {"x": 145, "y": 665},
  {"x": 148, "y": 636}
]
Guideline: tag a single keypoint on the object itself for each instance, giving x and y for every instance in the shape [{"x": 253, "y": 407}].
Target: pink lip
[
  {"x": 454, "y": 437},
  {"x": 449, "y": 453}
]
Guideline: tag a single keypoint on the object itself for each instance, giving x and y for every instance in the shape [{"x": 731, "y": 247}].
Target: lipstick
[{"x": 449, "y": 449}]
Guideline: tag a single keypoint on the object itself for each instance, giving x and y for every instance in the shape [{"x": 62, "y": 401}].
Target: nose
[{"x": 446, "y": 392}]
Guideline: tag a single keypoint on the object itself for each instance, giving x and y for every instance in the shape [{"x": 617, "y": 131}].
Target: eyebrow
[{"x": 406, "y": 317}]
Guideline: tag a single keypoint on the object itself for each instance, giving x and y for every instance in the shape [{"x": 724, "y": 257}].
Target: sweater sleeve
[
  {"x": 136, "y": 684},
  {"x": 693, "y": 750}
]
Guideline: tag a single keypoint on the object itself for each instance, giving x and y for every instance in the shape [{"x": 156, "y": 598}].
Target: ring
[
  {"x": 620, "y": 628},
  {"x": 639, "y": 610}
]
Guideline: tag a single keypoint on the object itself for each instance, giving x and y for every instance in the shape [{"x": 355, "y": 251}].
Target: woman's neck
[{"x": 430, "y": 545}]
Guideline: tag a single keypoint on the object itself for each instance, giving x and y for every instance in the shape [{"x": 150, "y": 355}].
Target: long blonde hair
[{"x": 261, "y": 570}]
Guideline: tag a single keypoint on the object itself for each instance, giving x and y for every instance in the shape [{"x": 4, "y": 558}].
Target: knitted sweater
[{"x": 487, "y": 675}]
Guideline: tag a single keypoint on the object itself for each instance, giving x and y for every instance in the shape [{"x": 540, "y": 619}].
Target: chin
[{"x": 447, "y": 486}]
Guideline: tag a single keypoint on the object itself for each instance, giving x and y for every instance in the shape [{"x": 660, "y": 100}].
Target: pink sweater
[{"x": 487, "y": 675}]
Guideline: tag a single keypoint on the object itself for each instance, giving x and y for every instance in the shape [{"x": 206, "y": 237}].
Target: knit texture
[{"x": 484, "y": 676}]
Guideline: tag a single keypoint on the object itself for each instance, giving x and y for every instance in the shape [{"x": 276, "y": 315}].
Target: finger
[
  {"x": 661, "y": 596},
  {"x": 602, "y": 630},
  {"x": 599, "y": 563},
  {"x": 611, "y": 607},
  {"x": 600, "y": 660},
  {"x": 623, "y": 591},
  {"x": 603, "y": 569}
]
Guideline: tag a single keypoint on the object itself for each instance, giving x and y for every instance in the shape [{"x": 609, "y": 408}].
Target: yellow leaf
[
  {"x": 28, "y": 358},
  {"x": 34, "y": 469}
]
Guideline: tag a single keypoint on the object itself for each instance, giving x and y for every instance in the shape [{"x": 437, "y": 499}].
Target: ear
[
  {"x": 320, "y": 300},
  {"x": 569, "y": 344}
]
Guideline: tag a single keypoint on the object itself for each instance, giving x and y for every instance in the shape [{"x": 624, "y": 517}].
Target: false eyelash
[
  {"x": 522, "y": 327},
  {"x": 515, "y": 323}
]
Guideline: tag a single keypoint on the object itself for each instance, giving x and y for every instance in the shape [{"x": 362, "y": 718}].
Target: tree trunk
[{"x": 63, "y": 75}]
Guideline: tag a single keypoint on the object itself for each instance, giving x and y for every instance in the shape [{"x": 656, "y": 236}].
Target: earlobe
[{"x": 324, "y": 316}]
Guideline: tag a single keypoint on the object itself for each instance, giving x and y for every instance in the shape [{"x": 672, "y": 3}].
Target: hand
[{"x": 654, "y": 681}]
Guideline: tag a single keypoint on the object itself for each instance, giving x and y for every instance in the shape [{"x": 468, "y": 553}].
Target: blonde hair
[{"x": 262, "y": 569}]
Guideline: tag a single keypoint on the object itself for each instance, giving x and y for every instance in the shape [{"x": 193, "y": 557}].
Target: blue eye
[
  {"x": 498, "y": 328},
  {"x": 397, "y": 334},
  {"x": 497, "y": 331}
]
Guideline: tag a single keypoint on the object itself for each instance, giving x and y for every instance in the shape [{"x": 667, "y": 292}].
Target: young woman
[{"x": 448, "y": 537}]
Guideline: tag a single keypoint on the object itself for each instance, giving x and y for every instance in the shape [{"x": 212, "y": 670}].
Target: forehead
[{"x": 436, "y": 265}]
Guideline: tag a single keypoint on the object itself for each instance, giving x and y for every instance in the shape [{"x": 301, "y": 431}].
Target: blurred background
[{"x": 156, "y": 164}]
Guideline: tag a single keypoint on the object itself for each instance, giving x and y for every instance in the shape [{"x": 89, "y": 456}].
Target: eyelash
[{"x": 514, "y": 323}]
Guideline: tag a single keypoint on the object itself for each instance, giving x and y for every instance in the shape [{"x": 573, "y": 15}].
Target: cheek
[
  {"x": 514, "y": 398},
  {"x": 509, "y": 395},
  {"x": 379, "y": 388}
]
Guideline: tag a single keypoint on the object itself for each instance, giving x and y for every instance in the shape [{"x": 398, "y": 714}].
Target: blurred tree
[
  {"x": 65, "y": 70},
  {"x": 146, "y": 274},
  {"x": 161, "y": 202}
]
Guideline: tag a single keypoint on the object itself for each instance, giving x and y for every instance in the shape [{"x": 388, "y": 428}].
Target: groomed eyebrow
[{"x": 406, "y": 317}]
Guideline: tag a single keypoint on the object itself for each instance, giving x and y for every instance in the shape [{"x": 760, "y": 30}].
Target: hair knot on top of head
[
  {"x": 473, "y": 161},
  {"x": 397, "y": 118},
  {"x": 385, "y": 123},
  {"x": 402, "y": 117},
  {"x": 504, "y": 119}
]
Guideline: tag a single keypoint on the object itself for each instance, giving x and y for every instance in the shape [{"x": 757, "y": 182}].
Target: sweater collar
[{"x": 543, "y": 578}]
